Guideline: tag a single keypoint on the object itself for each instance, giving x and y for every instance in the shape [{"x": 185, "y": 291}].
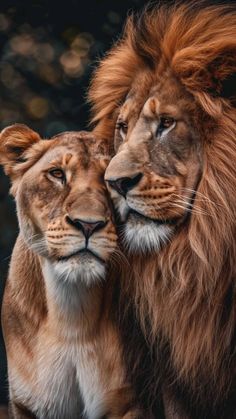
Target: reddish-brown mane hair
[{"x": 188, "y": 290}]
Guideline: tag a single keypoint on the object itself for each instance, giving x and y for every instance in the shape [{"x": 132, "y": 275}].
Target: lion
[
  {"x": 166, "y": 94},
  {"x": 62, "y": 341}
]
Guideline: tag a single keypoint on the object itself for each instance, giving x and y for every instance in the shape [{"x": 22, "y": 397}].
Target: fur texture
[
  {"x": 185, "y": 294},
  {"x": 63, "y": 344}
]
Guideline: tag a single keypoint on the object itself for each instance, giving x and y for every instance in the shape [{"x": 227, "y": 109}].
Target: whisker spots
[
  {"x": 64, "y": 236},
  {"x": 110, "y": 239}
]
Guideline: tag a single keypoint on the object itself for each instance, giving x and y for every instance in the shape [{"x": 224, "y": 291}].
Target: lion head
[
  {"x": 62, "y": 204},
  {"x": 158, "y": 165},
  {"x": 166, "y": 94}
]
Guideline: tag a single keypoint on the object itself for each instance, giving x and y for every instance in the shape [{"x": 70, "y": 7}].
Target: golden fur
[
  {"x": 179, "y": 59},
  {"x": 63, "y": 346}
]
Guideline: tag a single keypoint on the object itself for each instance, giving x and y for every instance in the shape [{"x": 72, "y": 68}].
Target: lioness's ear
[{"x": 14, "y": 141}]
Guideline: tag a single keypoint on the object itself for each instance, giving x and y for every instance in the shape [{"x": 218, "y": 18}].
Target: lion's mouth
[
  {"x": 84, "y": 253},
  {"x": 137, "y": 216}
]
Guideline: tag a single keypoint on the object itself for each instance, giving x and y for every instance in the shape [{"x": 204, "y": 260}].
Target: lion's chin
[{"x": 145, "y": 236}]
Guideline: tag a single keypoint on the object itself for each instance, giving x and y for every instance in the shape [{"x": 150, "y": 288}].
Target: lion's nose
[
  {"x": 124, "y": 184},
  {"x": 87, "y": 227}
]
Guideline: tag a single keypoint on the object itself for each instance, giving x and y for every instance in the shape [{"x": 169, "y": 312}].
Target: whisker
[
  {"x": 204, "y": 197},
  {"x": 190, "y": 210},
  {"x": 189, "y": 204}
]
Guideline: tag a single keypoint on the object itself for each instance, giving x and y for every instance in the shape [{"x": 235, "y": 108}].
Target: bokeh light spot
[
  {"x": 81, "y": 44},
  {"x": 4, "y": 23},
  {"x": 49, "y": 74},
  {"x": 38, "y": 107},
  {"x": 10, "y": 77},
  {"x": 72, "y": 64},
  {"x": 44, "y": 52},
  {"x": 22, "y": 44}
]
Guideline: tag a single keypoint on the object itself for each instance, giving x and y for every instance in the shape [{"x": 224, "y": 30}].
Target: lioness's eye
[
  {"x": 165, "y": 123},
  {"x": 122, "y": 127},
  {"x": 58, "y": 174}
]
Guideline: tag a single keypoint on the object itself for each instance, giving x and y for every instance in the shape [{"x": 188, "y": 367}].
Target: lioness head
[
  {"x": 62, "y": 204},
  {"x": 153, "y": 177}
]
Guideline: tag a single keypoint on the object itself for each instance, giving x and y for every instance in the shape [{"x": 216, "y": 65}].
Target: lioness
[{"x": 62, "y": 344}]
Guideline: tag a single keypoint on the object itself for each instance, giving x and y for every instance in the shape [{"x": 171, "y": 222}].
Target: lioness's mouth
[{"x": 85, "y": 252}]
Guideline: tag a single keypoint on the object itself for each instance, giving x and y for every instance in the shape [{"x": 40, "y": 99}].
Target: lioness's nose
[
  {"x": 123, "y": 184},
  {"x": 87, "y": 227}
]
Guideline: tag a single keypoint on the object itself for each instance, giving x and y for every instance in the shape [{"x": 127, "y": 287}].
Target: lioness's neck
[
  {"x": 73, "y": 303},
  {"x": 70, "y": 307}
]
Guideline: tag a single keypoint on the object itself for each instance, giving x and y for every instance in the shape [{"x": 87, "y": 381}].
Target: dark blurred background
[{"x": 48, "y": 51}]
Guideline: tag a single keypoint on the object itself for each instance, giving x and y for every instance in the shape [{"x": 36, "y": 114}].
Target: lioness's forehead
[
  {"x": 82, "y": 141},
  {"x": 77, "y": 147},
  {"x": 72, "y": 151}
]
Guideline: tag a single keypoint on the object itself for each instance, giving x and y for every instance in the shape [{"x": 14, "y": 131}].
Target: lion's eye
[
  {"x": 58, "y": 174},
  {"x": 164, "y": 124},
  {"x": 122, "y": 127}
]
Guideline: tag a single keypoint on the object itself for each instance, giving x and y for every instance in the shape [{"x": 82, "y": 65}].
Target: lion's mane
[{"x": 187, "y": 291}]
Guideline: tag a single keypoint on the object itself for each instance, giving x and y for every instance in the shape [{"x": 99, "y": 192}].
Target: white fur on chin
[
  {"x": 147, "y": 237},
  {"x": 87, "y": 272}
]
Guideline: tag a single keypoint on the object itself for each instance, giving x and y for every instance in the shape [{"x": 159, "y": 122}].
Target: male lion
[
  {"x": 166, "y": 92},
  {"x": 62, "y": 343}
]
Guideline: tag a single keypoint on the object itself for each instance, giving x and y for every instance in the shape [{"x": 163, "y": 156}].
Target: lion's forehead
[{"x": 161, "y": 95}]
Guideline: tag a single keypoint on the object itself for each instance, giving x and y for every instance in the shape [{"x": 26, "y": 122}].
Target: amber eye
[
  {"x": 122, "y": 127},
  {"x": 165, "y": 123},
  {"x": 58, "y": 174}
]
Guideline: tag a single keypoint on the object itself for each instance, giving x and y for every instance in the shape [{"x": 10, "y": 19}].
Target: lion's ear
[
  {"x": 14, "y": 142},
  {"x": 222, "y": 75},
  {"x": 204, "y": 57},
  {"x": 217, "y": 77}
]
